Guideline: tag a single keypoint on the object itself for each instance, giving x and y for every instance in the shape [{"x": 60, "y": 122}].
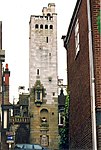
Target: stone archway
[{"x": 22, "y": 134}]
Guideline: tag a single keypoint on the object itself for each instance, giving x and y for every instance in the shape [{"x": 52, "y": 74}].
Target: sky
[{"x": 15, "y": 17}]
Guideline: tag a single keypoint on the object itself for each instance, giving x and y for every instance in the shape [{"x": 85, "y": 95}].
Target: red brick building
[{"x": 82, "y": 43}]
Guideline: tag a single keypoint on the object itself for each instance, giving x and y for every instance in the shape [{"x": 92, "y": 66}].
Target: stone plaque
[{"x": 44, "y": 140}]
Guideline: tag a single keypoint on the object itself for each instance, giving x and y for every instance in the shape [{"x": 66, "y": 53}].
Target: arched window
[
  {"x": 48, "y": 16},
  {"x": 51, "y": 26},
  {"x": 38, "y": 95},
  {"x": 36, "y": 26},
  {"x": 41, "y": 26},
  {"x": 46, "y": 26}
]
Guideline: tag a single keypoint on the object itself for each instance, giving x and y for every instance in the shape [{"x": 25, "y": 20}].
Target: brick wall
[
  {"x": 79, "y": 77},
  {"x": 79, "y": 85},
  {"x": 95, "y": 9}
]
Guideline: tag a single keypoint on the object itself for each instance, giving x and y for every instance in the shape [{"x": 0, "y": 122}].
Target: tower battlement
[{"x": 49, "y": 10}]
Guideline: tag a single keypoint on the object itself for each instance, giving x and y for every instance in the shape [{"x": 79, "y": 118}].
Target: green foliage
[
  {"x": 99, "y": 21},
  {"x": 64, "y": 132},
  {"x": 66, "y": 106},
  {"x": 63, "y": 138}
]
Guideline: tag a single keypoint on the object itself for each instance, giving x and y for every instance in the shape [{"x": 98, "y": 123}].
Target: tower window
[
  {"x": 50, "y": 79},
  {"x": 37, "y": 71},
  {"x": 38, "y": 95},
  {"x": 49, "y": 54},
  {"x": 52, "y": 113},
  {"x": 41, "y": 26},
  {"x": 36, "y": 26},
  {"x": 48, "y": 16},
  {"x": 47, "y": 39},
  {"x": 46, "y": 26},
  {"x": 51, "y": 26},
  {"x": 53, "y": 93}
]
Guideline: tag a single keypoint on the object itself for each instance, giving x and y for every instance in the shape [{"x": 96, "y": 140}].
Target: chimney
[
  {"x": 6, "y": 75},
  {"x": 6, "y": 85}
]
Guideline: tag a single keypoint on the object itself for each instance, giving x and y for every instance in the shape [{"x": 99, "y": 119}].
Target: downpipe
[{"x": 92, "y": 80}]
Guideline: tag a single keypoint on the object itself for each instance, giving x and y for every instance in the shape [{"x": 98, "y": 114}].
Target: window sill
[{"x": 38, "y": 103}]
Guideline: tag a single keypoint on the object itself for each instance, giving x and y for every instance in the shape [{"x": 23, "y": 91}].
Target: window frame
[
  {"x": 51, "y": 27},
  {"x": 46, "y": 26},
  {"x": 61, "y": 119},
  {"x": 77, "y": 37},
  {"x": 41, "y": 26},
  {"x": 47, "y": 39}
]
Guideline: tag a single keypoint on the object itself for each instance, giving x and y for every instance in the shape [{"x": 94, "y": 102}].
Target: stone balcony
[{"x": 19, "y": 120}]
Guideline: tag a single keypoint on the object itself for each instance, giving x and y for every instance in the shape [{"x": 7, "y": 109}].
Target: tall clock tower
[{"x": 43, "y": 104}]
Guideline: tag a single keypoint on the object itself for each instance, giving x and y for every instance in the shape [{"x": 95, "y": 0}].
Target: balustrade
[{"x": 19, "y": 119}]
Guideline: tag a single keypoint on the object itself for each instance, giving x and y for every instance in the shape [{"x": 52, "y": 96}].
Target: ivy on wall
[
  {"x": 64, "y": 132},
  {"x": 99, "y": 22}
]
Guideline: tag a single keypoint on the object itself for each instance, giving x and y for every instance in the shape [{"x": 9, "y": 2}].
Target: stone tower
[{"x": 43, "y": 104}]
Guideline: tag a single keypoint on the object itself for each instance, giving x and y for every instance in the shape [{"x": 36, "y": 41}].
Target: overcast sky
[{"x": 15, "y": 16}]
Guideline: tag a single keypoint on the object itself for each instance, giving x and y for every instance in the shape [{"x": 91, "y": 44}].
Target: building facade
[
  {"x": 2, "y": 59},
  {"x": 0, "y": 77},
  {"x": 82, "y": 43},
  {"x": 43, "y": 82}
]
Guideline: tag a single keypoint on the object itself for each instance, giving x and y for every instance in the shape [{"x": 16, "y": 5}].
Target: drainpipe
[{"x": 92, "y": 80}]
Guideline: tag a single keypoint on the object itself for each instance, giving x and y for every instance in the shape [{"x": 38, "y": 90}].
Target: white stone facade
[{"x": 43, "y": 51}]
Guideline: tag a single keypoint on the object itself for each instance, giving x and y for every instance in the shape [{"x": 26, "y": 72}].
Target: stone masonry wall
[{"x": 43, "y": 54}]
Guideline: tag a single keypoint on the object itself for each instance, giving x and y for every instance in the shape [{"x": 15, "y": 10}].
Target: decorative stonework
[
  {"x": 38, "y": 92},
  {"x": 44, "y": 140}
]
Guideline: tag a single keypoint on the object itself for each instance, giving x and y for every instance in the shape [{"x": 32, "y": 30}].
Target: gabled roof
[{"x": 75, "y": 12}]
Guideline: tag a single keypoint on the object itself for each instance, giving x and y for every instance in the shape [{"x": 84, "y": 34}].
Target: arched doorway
[{"x": 22, "y": 134}]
